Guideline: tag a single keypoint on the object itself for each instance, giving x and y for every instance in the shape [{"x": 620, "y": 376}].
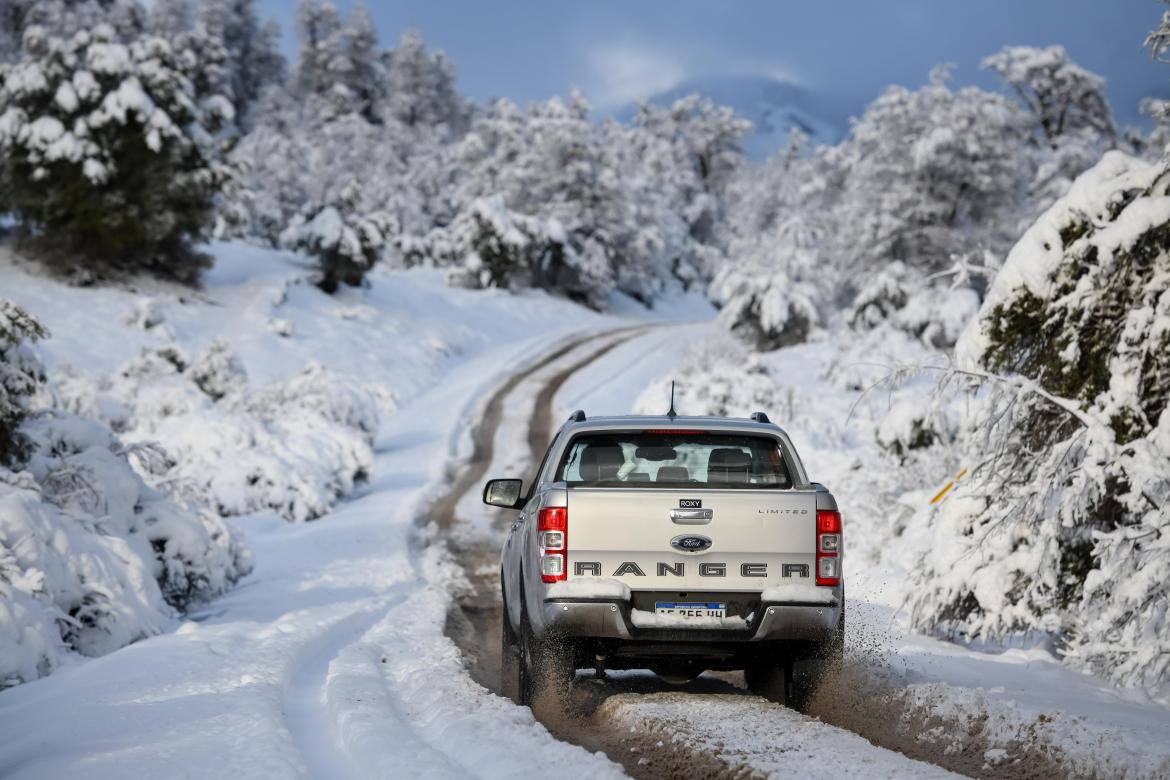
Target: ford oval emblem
[{"x": 690, "y": 543}]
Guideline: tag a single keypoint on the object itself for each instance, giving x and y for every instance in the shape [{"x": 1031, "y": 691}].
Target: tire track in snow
[{"x": 306, "y": 710}]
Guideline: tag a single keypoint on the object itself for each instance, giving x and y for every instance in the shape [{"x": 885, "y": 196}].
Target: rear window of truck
[{"x": 691, "y": 459}]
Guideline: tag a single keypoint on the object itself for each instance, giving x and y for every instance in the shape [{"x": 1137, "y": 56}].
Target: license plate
[{"x": 691, "y": 609}]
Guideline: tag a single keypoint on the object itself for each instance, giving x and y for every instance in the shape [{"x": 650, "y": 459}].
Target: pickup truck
[{"x": 677, "y": 544}]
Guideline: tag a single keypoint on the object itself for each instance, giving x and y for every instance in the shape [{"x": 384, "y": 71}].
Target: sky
[{"x": 846, "y": 51}]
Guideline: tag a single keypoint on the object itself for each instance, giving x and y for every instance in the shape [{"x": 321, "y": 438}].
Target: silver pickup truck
[{"x": 677, "y": 544}]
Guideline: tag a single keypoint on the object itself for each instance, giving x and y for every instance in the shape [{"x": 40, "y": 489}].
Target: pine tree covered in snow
[
  {"x": 420, "y": 88},
  {"x": 109, "y": 150},
  {"x": 1064, "y": 526},
  {"x": 340, "y": 68},
  {"x": 20, "y": 374},
  {"x": 254, "y": 62}
]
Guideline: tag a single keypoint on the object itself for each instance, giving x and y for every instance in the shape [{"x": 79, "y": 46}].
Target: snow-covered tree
[
  {"x": 108, "y": 151},
  {"x": 318, "y": 28},
  {"x": 365, "y": 77},
  {"x": 340, "y": 65},
  {"x": 13, "y": 16},
  {"x": 345, "y": 242},
  {"x": 171, "y": 18},
  {"x": 1063, "y": 526},
  {"x": 775, "y": 286},
  {"x": 20, "y": 373},
  {"x": 1158, "y": 40},
  {"x": 926, "y": 188},
  {"x": 705, "y": 143},
  {"x": 254, "y": 62},
  {"x": 420, "y": 87},
  {"x": 387, "y": 165},
  {"x": 930, "y": 172},
  {"x": 545, "y": 175},
  {"x": 128, "y": 19},
  {"x": 768, "y": 290},
  {"x": 1061, "y": 96}
]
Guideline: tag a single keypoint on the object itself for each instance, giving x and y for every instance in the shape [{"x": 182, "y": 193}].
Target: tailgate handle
[{"x": 691, "y": 516}]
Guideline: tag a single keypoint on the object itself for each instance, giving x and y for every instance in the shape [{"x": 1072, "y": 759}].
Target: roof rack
[
  {"x": 577, "y": 416},
  {"x": 760, "y": 417}
]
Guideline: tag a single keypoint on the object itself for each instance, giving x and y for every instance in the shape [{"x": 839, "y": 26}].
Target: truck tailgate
[{"x": 692, "y": 540}]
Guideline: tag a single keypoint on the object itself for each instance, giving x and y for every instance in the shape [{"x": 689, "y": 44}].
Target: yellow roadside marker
[{"x": 947, "y": 488}]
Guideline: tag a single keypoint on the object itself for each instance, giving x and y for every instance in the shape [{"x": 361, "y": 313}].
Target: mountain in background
[{"x": 774, "y": 106}]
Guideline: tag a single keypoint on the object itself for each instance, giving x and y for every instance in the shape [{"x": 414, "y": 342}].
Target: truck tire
[
  {"x": 512, "y": 677},
  {"x": 547, "y": 668},
  {"x": 773, "y": 680},
  {"x": 793, "y": 681}
]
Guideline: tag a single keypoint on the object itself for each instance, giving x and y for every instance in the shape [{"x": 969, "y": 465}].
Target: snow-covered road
[{"x": 341, "y": 655}]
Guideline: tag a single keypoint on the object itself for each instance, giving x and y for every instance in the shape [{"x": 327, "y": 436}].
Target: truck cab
[{"x": 677, "y": 544}]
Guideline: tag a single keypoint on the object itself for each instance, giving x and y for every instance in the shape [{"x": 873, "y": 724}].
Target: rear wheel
[
  {"x": 793, "y": 681},
  {"x": 512, "y": 677},
  {"x": 547, "y": 666},
  {"x": 772, "y": 680}
]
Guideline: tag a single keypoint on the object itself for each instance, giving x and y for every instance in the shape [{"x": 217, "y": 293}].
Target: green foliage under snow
[
  {"x": 109, "y": 148},
  {"x": 1064, "y": 527}
]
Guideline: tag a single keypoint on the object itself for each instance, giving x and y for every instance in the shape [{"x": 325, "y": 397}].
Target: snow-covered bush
[
  {"x": 91, "y": 556},
  {"x": 929, "y": 310},
  {"x": 1062, "y": 527},
  {"x": 293, "y": 447},
  {"x": 20, "y": 373},
  {"x": 108, "y": 150},
  {"x": 346, "y": 244},
  {"x": 911, "y": 425},
  {"x": 764, "y": 306}
]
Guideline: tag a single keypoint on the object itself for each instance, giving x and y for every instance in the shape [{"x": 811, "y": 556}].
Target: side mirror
[{"x": 503, "y": 492}]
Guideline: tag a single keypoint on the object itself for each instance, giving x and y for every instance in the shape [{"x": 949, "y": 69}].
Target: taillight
[
  {"x": 828, "y": 547},
  {"x": 552, "y": 535}
]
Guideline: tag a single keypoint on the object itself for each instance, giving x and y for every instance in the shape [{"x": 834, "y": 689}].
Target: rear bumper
[{"x": 773, "y": 621}]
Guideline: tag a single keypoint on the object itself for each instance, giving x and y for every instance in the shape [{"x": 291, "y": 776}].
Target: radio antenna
[{"x": 672, "y": 413}]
